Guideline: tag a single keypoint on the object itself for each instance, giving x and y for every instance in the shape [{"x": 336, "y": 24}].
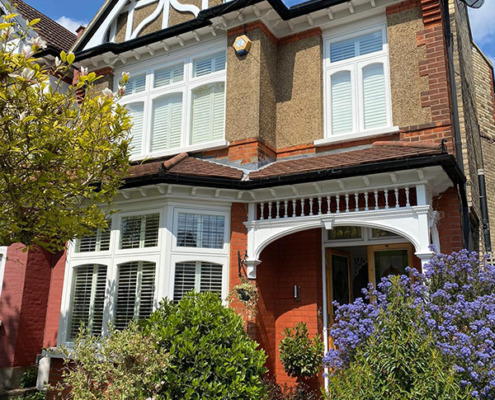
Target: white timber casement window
[
  {"x": 178, "y": 104},
  {"x": 357, "y": 82},
  {"x": 120, "y": 274},
  {"x": 200, "y": 253}
]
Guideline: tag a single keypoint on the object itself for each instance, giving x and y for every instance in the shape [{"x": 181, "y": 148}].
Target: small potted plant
[{"x": 247, "y": 293}]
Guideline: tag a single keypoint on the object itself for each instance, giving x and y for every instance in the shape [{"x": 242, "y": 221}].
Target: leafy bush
[
  {"x": 301, "y": 391},
  {"x": 29, "y": 377},
  {"x": 397, "y": 361},
  {"x": 37, "y": 395},
  {"x": 120, "y": 366},
  {"x": 211, "y": 355},
  {"x": 456, "y": 305},
  {"x": 300, "y": 355}
]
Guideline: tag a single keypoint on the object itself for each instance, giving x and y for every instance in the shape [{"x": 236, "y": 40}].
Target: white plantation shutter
[
  {"x": 135, "y": 292},
  {"x": 136, "y": 112},
  {"x": 139, "y": 231},
  {"x": 341, "y": 102},
  {"x": 88, "y": 299},
  {"x": 166, "y": 76},
  {"x": 374, "y": 96},
  {"x": 135, "y": 84},
  {"x": 198, "y": 276},
  {"x": 100, "y": 241},
  {"x": 197, "y": 230},
  {"x": 209, "y": 64},
  {"x": 358, "y": 46},
  {"x": 167, "y": 122},
  {"x": 208, "y": 113}
]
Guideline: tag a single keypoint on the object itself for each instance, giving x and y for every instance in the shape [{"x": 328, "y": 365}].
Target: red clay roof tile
[{"x": 50, "y": 31}]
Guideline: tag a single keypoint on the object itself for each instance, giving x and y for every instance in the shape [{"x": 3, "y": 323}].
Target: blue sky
[{"x": 72, "y": 13}]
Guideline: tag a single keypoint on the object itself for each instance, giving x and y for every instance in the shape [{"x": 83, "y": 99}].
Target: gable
[{"x": 121, "y": 20}]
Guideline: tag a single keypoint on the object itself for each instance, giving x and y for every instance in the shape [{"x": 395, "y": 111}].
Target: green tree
[
  {"x": 211, "y": 356},
  {"x": 61, "y": 156}
]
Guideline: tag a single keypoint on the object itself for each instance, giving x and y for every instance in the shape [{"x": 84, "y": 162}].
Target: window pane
[
  {"x": 209, "y": 64},
  {"x": 167, "y": 122},
  {"x": 341, "y": 102},
  {"x": 100, "y": 241},
  {"x": 139, "y": 231},
  {"x": 135, "y": 292},
  {"x": 374, "y": 98},
  {"x": 135, "y": 84},
  {"x": 357, "y": 46},
  {"x": 211, "y": 278},
  {"x": 195, "y": 230},
  {"x": 88, "y": 299},
  {"x": 185, "y": 278},
  {"x": 208, "y": 112},
  {"x": 345, "y": 232},
  {"x": 136, "y": 112},
  {"x": 370, "y": 43},
  {"x": 198, "y": 276},
  {"x": 166, "y": 76}
]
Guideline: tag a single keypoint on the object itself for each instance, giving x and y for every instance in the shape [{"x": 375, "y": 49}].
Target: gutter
[
  {"x": 446, "y": 161},
  {"x": 457, "y": 129}
]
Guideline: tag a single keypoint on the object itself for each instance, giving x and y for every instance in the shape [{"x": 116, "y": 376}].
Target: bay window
[
  {"x": 177, "y": 105},
  {"x": 119, "y": 274}
]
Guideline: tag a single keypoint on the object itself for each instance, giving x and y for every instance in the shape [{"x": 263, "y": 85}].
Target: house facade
[{"x": 312, "y": 149}]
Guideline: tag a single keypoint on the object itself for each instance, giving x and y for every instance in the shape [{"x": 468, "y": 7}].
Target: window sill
[
  {"x": 219, "y": 144},
  {"x": 356, "y": 136}
]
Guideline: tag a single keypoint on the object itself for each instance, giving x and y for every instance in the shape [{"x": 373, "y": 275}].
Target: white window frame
[
  {"x": 186, "y": 86},
  {"x": 355, "y": 65},
  {"x": 165, "y": 255},
  {"x": 3, "y": 261}
]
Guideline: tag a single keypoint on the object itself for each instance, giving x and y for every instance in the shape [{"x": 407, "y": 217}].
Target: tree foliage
[
  {"x": 211, "y": 356},
  {"x": 61, "y": 156}
]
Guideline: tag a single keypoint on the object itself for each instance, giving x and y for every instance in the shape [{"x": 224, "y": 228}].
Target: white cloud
[
  {"x": 71, "y": 24},
  {"x": 482, "y": 25}
]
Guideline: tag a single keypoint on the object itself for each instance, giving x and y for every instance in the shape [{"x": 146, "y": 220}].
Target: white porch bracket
[{"x": 415, "y": 223}]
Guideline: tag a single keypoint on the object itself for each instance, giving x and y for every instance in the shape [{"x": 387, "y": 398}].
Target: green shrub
[
  {"x": 211, "y": 355},
  {"x": 300, "y": 355},
  {"x": 119, "y": 366},
  {"x": 31, "y": 396},
  {"x": 397, "y": 361},
  {"x": 29, "y": 377},
  {"x": 300, "y": 391}
]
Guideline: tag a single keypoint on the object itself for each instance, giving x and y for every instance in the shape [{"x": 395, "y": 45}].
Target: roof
[
  {"x": 54, "y": 34},
  {"x": 381, "y": 157}
]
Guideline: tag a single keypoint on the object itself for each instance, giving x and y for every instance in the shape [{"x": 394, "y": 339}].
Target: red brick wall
[
  {"x": 449, "y": 225},
  {"x": 54, "y": 301},
  {"x": 23, "y": 305},
  {"x": 295, "y": 259}
]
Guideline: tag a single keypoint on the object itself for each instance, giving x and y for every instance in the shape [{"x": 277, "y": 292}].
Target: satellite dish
[{"x": 474, "y": 3}]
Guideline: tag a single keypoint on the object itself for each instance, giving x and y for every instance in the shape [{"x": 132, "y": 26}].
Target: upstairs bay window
[
  {"x": 177, "y": 105},
  {"x": 357, "y": 84}
]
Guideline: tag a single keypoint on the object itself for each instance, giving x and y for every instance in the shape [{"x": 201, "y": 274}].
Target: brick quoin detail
[{"x": 404, "y": 6}]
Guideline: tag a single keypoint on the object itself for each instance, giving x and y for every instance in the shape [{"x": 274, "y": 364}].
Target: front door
[{"x": 339, "y": 280}]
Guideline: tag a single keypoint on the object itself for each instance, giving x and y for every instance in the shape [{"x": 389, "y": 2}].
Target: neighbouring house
[
  {"x": 312, "y": 149},
  {"x": 25, "y": 276}
]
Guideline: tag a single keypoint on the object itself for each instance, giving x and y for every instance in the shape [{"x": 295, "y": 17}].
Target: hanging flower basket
[{"x": 247, "y": 293}]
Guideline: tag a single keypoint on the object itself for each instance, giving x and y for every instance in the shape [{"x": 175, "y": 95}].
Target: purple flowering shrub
[{"x": 456, "y": 297}]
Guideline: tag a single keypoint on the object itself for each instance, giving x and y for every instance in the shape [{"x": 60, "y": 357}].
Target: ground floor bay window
[{"x": 147, "y": 253}]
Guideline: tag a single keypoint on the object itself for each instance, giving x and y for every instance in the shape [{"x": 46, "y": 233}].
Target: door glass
[
  {"x": 390, "y": 262},
  {"x": 340, "y": 279}
]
